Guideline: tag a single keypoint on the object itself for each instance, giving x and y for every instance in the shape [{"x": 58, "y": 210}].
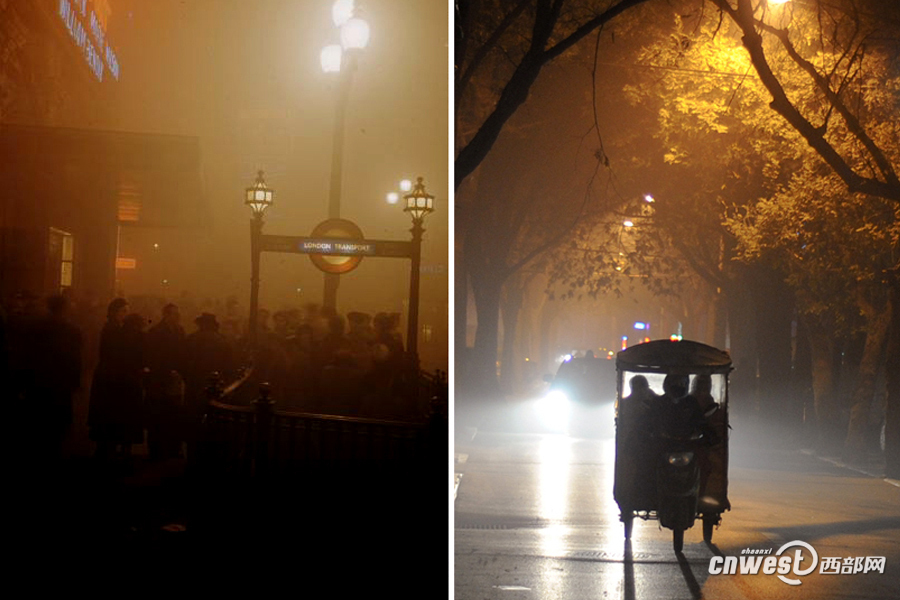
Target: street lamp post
[
  {"x": 258, "y": 197},
  {"x": 418, "y": 203},
  {"x": 342, "y": 59}
]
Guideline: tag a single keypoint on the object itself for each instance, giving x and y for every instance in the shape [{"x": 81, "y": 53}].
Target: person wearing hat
[
  {"x": 207, "y": 351},
  {"x": 164, "y": 383},
  {"x": 360, "y": 339},
  {"x": 116, "y": 394}
]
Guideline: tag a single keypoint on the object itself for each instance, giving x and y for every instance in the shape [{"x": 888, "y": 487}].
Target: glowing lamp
[
  {"x": 418, "y": 202},
  {"x": 331, "y": 58},
  {"x": 341, "y": 12},
  {"x": 259, "y": 197},
  {"x": 355, "y": 34}
]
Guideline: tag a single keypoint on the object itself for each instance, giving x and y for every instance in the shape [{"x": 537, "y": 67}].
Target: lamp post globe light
[
  {"x": 418, "y": 203},
  {"x": 331, "y": 58},
  {"x": 258, "y": 197},
  {"x": 355, "y": 34},
  {"x": 405, "y": 185},
  {"x": 342, "y": 11},
  {"x": 341, "y": 59}
]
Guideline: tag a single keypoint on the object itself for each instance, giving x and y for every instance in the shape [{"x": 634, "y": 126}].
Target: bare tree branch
[
  {"x": 517, "y": 88},
  {"x": 743, "y": 17}
]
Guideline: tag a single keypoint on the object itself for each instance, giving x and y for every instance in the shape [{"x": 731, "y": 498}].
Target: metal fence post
[{"x": 264, "y": 414}]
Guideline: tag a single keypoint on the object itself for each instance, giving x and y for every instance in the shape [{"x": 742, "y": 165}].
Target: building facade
[{"x": 68, "y": 184}]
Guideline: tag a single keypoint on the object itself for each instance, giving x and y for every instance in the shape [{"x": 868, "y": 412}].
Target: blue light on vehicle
[{"x": 641, "y": 325}]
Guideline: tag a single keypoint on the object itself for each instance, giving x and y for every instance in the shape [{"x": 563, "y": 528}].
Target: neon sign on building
[{"x": 87, "y": 27}]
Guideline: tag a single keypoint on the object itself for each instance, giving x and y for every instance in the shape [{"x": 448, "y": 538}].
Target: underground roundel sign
[{"x": 337, "y": 246}]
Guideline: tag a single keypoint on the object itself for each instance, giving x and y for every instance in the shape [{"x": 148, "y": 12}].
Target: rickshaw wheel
[
  {"x": 678, "y": 540},
  {"x": 709, "y": 522}
]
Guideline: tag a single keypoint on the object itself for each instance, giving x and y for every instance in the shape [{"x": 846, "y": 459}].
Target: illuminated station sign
[
  {"x": 336, "y": 246},
  {"x": 86, "y": 21}
]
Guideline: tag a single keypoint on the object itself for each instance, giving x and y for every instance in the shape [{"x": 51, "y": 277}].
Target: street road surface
[{"x": 535, "y": 518}]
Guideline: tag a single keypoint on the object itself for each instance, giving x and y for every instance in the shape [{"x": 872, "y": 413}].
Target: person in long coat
[
  {"x": 115, "y": 411},
  {"x": 164, "y": 384},
  {"x": 56, "y": 365},
  {"x": 206, "y": 351}
]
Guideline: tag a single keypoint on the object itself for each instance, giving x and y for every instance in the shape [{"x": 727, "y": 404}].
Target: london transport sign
[{"x": 336, "y": 246}]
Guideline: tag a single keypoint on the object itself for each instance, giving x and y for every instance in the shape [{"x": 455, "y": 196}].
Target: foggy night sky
[{"x": 245, "y": 78}]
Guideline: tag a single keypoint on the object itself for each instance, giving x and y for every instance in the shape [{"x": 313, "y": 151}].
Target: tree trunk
[
  {"x": 774, "y": 309},
  {"x": 460, "y": 316},
  {"x": 877, "y": 324},
  {"x": 720, "y": 328},
  {"x": 743, "y": 348},
  {"x": 821, "y": 344},
  {"x": 483, "y": 367},
  {"x": 892, "y": 369},
  {"x": 547, "y": 355},
  {"x": 800, "y": 407},
  {"x": 514, "y": 293}
]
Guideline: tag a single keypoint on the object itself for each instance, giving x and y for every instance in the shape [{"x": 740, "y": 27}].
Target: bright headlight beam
[{"x": 553, "y": 410}]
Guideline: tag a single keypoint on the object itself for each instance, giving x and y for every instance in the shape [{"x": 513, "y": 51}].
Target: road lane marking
[
  {"x": 511, "y": 588},
  {"x": 844, "y": 465}
]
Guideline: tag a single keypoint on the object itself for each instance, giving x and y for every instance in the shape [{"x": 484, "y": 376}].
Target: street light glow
[
  {"x": 419, "y": 202},
  {"x": 628, "y": 224},
  {"x": 341, "y": 12},
  {"x": 405, "y": 185},
  {"x": 259, "y": 197},
  {"x": 393, "y": 197},
  {"x": 355, "y": 34},
  {"x": 331, "y": 58},
  {"x": 648, "y": 198}
]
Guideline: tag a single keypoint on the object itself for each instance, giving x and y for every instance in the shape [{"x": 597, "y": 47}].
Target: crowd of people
[{"x": 145, "y": 380}]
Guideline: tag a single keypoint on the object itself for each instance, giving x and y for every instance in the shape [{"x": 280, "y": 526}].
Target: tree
[
  {"x": 836, "y": 248},
  {"x": 519, "y": 211},
  {"x": 841, "y": 36},
  {"x": 483, "y": 28},
  {"x": 843, "y": 49},
  {"x": 502, "y": 46}
]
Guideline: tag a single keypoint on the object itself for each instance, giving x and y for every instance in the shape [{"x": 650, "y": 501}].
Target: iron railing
[{"x": 261, "y": 441}]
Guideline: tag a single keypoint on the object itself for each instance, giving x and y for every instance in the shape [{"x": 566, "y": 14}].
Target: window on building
[{"x": 62, "y": 255}]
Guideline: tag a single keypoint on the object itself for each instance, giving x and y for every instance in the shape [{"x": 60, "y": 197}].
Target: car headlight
[
  {"x": 680, "y": 459},
  {"x": 553, "y": 410}
]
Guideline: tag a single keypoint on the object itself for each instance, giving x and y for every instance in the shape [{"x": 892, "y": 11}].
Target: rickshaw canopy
[{"x": 665, "y": 356}]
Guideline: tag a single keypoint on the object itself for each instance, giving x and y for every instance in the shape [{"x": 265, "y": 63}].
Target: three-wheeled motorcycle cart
[{"x": 645, "y": 463}]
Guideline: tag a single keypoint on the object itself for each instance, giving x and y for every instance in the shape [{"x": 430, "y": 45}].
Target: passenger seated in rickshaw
[
  {"x": 637, "y": 456},
  {"x": 702, "y": 391},
  {"x": 676, "y": 414},
  {"x": 710, "y": 456}
]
